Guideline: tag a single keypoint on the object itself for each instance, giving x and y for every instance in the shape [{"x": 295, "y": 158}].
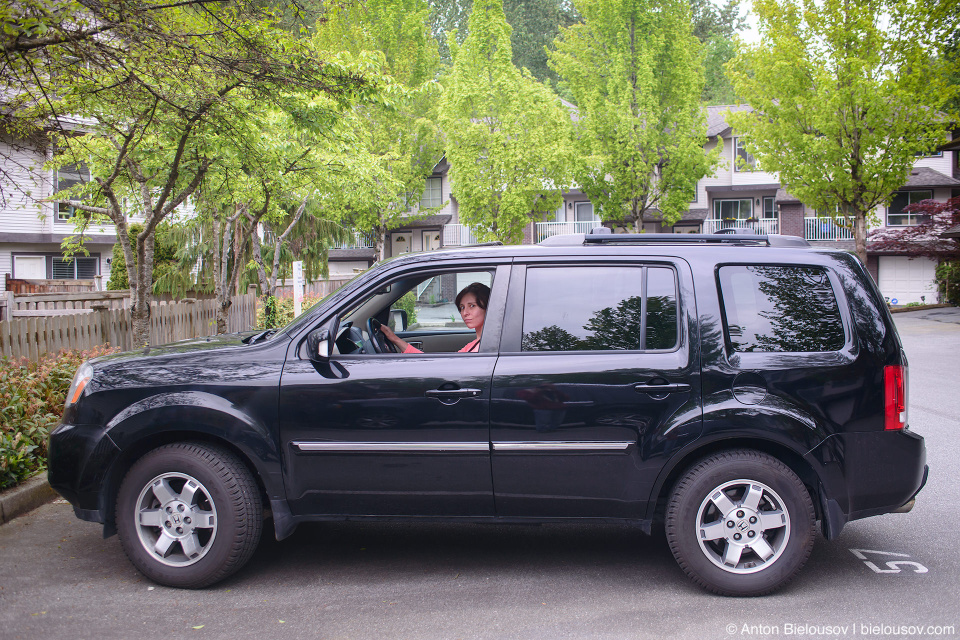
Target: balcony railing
[
  {"x": 825, "y": 229},
  {"x": 763, "y": 226},
  {"x": 358, "y": 241},
  {"x": 458, "y": 235},
  {"x": 548, "y": 229}
]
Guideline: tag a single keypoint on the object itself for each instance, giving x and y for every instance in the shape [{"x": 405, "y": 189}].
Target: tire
[
  {"x": 189, "y": 514},
  {"x": 740, "y": 523}
]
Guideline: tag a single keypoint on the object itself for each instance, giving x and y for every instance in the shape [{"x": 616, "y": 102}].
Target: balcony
[
  {"x": 763, "y": 226},
  {"x": 825, "y": 229},
  {"x": 458, "y": 235},
  {"x": 548, "y": 229},
  {"x": 358, "y": 241}
]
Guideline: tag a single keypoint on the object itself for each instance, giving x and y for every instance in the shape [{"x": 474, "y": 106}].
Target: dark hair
[{"x": 479, "y": 290}]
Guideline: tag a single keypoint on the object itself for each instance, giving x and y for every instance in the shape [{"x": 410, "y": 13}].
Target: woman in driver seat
[{"x": 472, "y": 304}]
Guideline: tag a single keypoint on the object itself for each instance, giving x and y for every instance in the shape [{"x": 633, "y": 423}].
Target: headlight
[{"x": 83, "y": 376}]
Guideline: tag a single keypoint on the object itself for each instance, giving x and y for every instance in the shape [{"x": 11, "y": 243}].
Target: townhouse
[{"x": 739, "y": 194}]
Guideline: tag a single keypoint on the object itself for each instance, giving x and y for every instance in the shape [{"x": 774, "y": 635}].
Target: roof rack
[{"x": 734, "y": 239}]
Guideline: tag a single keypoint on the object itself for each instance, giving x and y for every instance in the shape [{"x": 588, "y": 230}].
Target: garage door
[{"x": 904, "y": 280}]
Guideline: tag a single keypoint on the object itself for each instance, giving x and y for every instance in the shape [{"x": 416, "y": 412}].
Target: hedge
[{"x": 31, "y": 404}]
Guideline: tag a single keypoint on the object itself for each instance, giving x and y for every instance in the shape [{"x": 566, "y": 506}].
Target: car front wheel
[
  {"x": 740, "y": 523},
  {"x": 189, "y": 514}
]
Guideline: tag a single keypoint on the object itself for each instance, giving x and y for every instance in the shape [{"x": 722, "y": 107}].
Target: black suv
[{"x": 738, "y": 389}]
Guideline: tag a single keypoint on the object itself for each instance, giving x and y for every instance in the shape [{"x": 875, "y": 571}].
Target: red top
[{"x": 472, "y": 346}]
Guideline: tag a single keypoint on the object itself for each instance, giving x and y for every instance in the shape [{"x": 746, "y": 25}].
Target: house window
[
  {"x": 733, "y": 209},
  {"x": 431, "y": 194},
  {"x": 744, "y": 160},
  {"x": 74, "y": 268},
  {"x": 67, "y": 176},
  {"x": 584, "y": 212},
  {"x": 896, "y": 216},
  {"x": 769, "y": 211}
]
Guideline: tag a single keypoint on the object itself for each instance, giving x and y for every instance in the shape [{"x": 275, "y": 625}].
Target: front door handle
[
  {"x": 451, "y": 396},
  {"x": 662, "y": 389}
]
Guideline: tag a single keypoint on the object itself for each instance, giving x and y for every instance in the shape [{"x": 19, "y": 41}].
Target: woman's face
[{"x": 471, "y": 312}]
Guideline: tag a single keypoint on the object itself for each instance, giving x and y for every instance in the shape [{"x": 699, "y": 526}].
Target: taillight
[{"x": 895, "y": 396}]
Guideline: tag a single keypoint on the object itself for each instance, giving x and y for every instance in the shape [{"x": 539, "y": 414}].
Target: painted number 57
[{"x": 893, "y": 566}]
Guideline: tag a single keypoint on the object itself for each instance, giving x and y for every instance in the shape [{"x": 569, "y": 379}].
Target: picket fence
[{"x": 36, "y": 335}]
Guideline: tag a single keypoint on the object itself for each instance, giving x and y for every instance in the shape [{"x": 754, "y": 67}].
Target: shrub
[
  {"x": 276, "y": 312},
  {"x": 31, "y": 404},
  {"x": 948, "y": 278},
  {"x": 408, "y": 302}
]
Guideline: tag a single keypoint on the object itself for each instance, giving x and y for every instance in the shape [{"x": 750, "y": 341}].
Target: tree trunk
[
  {"x": 141, "y": 290},
  {"x": 860, "y": 235},
  {"x": 265, "y": 289}
]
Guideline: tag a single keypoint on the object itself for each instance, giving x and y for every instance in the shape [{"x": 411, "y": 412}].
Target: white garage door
[{"x": 904, "y": 280}]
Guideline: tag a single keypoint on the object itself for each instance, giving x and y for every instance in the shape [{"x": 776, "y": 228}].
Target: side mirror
[
  {"x": 320, "y": 342},
  {"x": 398, "y": 319}
]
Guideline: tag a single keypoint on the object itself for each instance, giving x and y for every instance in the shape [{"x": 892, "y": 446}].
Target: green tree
[
  {"x": 845, "y": 95},
  {"x": 44, "y": 43},
  {"x": 535, "y": 25},
  {"x": 635, "y": 71},
  {"x": 505, "y": 132},
  {"x": 160, "y": 115},
  {"x": 270, "y": 163},
  {"x": 715, "y": 27},
  {"x": 396, "y": 140}
]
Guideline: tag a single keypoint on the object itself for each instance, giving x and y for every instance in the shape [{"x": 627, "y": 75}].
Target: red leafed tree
[{"x": 926, "y": 239}]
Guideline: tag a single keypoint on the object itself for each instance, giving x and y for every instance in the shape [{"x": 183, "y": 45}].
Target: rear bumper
[{"x": 868, "y": 474}]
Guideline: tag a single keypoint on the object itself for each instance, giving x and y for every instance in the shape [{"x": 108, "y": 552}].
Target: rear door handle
[
  {"x": 662, "y": 389},
  {"x": 451, "y": 396}
]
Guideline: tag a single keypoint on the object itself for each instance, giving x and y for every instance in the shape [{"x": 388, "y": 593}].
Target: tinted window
[
  {"x": 599, "y": 308},
  {"x": 774, "y": 308}
]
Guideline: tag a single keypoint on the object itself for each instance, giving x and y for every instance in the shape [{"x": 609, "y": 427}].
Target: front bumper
[{"x": 80, "y": 456}]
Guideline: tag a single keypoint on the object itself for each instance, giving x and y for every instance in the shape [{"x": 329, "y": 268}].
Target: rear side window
[
  {"x": 780, "y": 309},
  {"x": 599, "y": 309}
]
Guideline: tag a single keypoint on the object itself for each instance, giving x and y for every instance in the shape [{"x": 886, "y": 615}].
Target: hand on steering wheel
[{"x": 377, "y": 339}]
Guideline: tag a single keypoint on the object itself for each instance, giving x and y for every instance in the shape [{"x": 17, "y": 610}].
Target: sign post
[{"x": 297, "y": 288}]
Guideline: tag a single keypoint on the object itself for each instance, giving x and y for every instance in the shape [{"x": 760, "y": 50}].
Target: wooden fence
[
  {"x": 33, "y": 335},
  {"x": 315, "y": 289}
]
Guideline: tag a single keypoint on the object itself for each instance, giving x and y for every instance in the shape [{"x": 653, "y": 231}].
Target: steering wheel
[{"x": 377, "y": 339}]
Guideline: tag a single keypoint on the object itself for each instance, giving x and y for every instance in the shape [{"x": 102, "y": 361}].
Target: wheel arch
[
  {"x": 163, "y": 421},
  {"x": 680, "y": 464}
]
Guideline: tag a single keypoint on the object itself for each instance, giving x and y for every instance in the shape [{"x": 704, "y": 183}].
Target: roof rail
[{"x": 737, "y": 239}]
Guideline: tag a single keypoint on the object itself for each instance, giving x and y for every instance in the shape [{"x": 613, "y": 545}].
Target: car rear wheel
[
  {"x": 189, "y": 514},
  {"x": 740, "y": 523}
]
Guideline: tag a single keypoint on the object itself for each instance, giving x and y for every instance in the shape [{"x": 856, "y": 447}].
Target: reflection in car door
[
  {"x": 581, "y": 425},
  {"x": 391, "y": 434}
]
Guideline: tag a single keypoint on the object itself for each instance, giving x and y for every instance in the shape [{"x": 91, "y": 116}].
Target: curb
[
  {"x": 922, "y": 307},
  {"x": 25, "y": 497}
]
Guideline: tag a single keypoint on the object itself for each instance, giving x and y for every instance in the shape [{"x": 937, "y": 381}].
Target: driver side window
[
  {"x": 420, "y": 309},
  {"x": 431, "y": 304}
]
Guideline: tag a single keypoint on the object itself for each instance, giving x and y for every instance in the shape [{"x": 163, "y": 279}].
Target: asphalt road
[{"x": 60, "y": 579}]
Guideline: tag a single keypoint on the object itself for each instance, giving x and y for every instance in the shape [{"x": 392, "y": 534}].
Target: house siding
[{"x": 23, "y": 184}]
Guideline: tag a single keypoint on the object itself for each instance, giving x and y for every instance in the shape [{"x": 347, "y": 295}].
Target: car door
[
  {"x": 387, "y": 434},
  {"x": 597, "y": 383}
]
